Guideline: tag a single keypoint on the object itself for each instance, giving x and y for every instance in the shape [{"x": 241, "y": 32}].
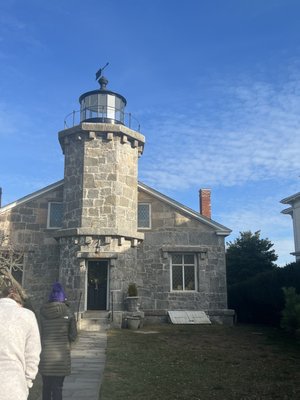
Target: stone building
[{"x": 100, "y": 229}]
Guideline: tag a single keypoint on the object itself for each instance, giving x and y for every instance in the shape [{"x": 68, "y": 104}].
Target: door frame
[{"x": 107, "y": 282}]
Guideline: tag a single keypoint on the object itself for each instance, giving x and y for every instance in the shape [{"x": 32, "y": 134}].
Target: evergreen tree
[{"x": 248, "y": 256}]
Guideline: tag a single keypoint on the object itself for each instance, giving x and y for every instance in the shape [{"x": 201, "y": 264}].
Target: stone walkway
[{"x": 88, "y": 361}]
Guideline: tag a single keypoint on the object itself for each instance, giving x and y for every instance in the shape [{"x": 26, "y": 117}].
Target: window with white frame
[
  {"x": 183, "y": 272},
  {"x": 55, "y": 215},
  {"x": 144, "y": 216}
]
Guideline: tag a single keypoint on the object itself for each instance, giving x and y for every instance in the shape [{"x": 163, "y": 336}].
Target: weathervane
[{"x": 99, "y": 75}]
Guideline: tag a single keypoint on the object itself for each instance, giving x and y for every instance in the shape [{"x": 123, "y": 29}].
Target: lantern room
[{"x": 102, "y": 105}]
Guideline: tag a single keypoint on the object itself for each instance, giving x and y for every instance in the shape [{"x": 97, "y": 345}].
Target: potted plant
[
  {"x": 133, "y": 322},
  {"x": 132, "y": 290},
  {"x": 134, "y": 315}
]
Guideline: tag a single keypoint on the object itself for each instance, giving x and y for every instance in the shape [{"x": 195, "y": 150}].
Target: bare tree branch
[{"x": 11, "y": 260}]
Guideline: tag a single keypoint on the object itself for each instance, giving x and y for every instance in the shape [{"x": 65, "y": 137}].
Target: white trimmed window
[
  {"x": 183, "y": 272},
  {"x": 55, "y": 215},
  {"x": 144, "y": 216}
]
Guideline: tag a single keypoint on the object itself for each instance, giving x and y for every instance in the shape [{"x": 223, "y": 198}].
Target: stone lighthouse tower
[{"x": 99, "y": 238}]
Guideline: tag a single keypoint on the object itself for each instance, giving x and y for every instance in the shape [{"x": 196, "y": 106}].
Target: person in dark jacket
[{"x": 58, "y": 330}]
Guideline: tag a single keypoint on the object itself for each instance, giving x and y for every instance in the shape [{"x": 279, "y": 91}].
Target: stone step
[
  {"x": 94, "y": 321},
  {"x": 96, "y": 314}
]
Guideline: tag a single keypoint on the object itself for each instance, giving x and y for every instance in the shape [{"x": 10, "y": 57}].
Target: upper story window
[
  {"x": 183, "y": 272},
  {"x": 55, "y": 215},
  {"x": 144, "y": 216}
]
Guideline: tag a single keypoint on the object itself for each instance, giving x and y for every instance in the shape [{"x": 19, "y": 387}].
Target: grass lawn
[{"x": 201, "y": 362}]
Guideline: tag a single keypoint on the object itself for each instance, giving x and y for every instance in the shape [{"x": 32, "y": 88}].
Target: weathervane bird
[{"x": 99, "y": 72}]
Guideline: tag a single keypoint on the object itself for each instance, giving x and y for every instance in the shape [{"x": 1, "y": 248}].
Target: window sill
[{"x": 183, "y": 291}]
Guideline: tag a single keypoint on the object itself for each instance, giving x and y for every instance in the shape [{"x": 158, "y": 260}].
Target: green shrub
[
  {"x": 260, "y": 299},
  {"x": 132, "y": 290},
  {"x": 290, "y": 320}
]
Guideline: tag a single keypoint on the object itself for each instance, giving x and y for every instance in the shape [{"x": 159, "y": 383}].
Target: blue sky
[{"x": 214, "y": 84}]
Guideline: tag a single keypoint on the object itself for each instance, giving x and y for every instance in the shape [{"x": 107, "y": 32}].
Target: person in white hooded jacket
[{"x": 20, "y": 347}]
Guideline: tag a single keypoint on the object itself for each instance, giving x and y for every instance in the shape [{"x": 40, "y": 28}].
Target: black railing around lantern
[{"x": 104, "y": 114}]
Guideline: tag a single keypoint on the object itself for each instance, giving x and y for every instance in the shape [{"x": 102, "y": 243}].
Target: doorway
[{"x": 97, "y": 285}]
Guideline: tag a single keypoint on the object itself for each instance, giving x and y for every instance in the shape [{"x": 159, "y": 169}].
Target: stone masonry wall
[
  {"x": 110, "y": 184},
  {"x": 26, "y": 226},
  {"x": 171, "y": 232},
  {"x": 77, "y": 251},
  {"x": 73, "y": 189},
  {"x": 101, "y": 162},
  {"x": 100, "y": 220}
]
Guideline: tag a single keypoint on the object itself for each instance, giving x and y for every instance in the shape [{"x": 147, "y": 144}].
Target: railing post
[
  {"x": 112, "y": 306},
  {"x": 78, "y": 305},
  {"x": 129, "y": 121}
]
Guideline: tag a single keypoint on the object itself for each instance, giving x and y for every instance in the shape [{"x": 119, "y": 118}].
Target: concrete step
[{"x": 94, "y": 321}]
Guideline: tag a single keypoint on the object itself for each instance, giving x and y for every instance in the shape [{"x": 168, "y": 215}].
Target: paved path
[{"x": 88, "y": 361}]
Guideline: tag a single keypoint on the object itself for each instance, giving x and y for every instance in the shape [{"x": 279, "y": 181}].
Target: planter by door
[
  {"x": 133, "y": 322},
  {"x": 97, "y": 285},
  {"x": 132, "y": 303}
]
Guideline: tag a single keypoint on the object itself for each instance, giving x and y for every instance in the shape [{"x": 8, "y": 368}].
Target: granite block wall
[
  {"x": 173, "y": 232},
  {"x": 26, "y": 226}
]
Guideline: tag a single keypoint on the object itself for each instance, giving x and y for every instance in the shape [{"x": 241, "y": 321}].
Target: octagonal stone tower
[{"x": 99, "y": 236}]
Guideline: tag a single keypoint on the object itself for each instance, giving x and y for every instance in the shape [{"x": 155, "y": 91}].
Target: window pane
[
  {"x": 144, "y": 216},
  {"x": 189, "y": 277},
  {"x": 111, "y": 106},
  {"x": 102, "y": 101},
  {"x": 177, "y": 283},
  {"x": 189, "y": 259},
  {"x": 56, "y": 215},
  {"x": 176, "y": 259},
  {"x": 118, "y": 103},
  {"x": 183, "y": 272}
]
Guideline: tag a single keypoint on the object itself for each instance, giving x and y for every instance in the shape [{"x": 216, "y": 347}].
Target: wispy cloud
[
  {"x": 238, "y": 133},
  {"x": 251, "y": 134}
]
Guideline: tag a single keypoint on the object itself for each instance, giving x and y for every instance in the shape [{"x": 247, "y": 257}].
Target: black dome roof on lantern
[{"x": 102, "y": 105}]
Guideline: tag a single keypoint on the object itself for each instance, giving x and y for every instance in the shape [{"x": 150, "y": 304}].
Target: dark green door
[{"x": 97, "y": 285}]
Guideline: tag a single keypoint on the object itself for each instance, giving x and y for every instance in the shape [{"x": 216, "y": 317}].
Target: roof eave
[
  {"x": 287, "y": 211},
  {"x": 221, "y": 230},
  {"x": 31, "y": 196},
  {"x": 288, "y": 200}
]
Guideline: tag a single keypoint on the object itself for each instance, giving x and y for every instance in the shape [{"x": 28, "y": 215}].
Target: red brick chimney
[{"x": 204, "y": 200}]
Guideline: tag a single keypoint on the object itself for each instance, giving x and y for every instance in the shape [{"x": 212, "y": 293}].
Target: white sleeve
[{"x": 32, "y": 350}]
